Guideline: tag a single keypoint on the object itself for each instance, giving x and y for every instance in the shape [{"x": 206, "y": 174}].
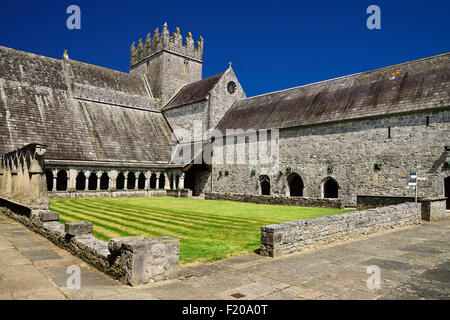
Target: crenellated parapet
[
  {"x": 165, "y": 41},
  {"x": 22, "y": 177}
]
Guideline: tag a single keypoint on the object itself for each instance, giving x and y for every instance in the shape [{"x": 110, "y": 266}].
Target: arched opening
[
  {"x": 61, "y": 180},
  {"x": 49, "y": 179},
  {"x": 153, "y": 181},
  {"x": 141, "y": 181},
  {"x": 330, "y": 188},
  {"x": 92, "y": 181},
  {"x": 120, "y": 181},
  {"x": 295, "y": 185},
  {"x": 177, "y": 182},
  {"x": 80, "y": 181},
  {"x": 447, "y": 191},
  {"x": 162, "y": 180},
  {"x": 104, "y": 181},
  {"x": 265, "y": 185},
  {"x": 131, "y": 183}
]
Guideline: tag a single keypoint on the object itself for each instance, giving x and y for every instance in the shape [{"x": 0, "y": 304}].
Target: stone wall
[
  {"x": 432, "y": 208},
  {"x": 284, "y": 238},
  {"x": 132, "y": 260},
  {"x": 293, "y": 201},
  {"x": 347, "y": 151},
  {"x": 107, "y": 194},
  {"x": 22, "y": 177}
]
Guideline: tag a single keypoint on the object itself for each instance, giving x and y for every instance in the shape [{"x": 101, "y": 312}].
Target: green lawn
[{"x": 208, "y": 230}]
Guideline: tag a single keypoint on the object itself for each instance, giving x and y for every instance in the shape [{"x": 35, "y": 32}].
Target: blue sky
[{"x": 273, "y": 45}]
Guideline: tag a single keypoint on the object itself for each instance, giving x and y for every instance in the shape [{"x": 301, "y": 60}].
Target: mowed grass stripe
[
  {"x": 166, "y": 216},
  {"x": 149, "y": 221},
  {"x": 208, "y": 230},
  {"x": 172, "y": 212},
  {"x": 124, "y": 220}
]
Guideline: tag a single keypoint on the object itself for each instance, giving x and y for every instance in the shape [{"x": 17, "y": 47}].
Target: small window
[
  {"x": 231, "y": 87},
  {"x": 428, "y": 121},
  {"x": 389, "y": 132},
  {"x": 186, "y": 67}
]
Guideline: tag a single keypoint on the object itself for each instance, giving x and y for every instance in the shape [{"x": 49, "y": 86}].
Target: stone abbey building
[{"x": 109, "y": 133}]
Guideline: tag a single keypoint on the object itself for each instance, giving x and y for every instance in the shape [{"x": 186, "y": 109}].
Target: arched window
[
  {"x": 177, "y": 182},
  {"x": 131, "y": 183},
  {"x": 264, "y": 182},
  {"x": 141, "y": 181},
  {"x": 162, "y": 180},
  {"x": 80, "y": 182},
  {"x": 61, "y": 180},
  {"x": 120, "y": 181},
  {"x": 295, "y": 185},
  {"x": 171, "y": 182},
  {"x": 92, "y": 183},
  {"x": 447, "y": 191},
  {"x": 104, "y": 181},
  {"x": 330, "y": 188},
  {"x": 49, "y": 179},
  {"x": 153, "y": 181}
]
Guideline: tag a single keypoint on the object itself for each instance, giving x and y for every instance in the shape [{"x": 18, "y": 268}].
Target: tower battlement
[{"x": 165, "y": 41}]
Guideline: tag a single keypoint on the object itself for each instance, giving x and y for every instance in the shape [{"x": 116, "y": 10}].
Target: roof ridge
[{"x": 349, "y": 75}]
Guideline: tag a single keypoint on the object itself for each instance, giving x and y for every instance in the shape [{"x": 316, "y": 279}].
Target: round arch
[
  {"x": 330, "y": 188},
  {"x": 296, "y": 186}
]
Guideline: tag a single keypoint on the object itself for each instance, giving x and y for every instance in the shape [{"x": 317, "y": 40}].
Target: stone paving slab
[{"x": 414, "y": 263}]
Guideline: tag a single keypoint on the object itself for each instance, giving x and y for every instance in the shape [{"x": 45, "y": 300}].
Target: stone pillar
[
  {"x": 158, "y": 174},
  {"x": 99, "y": 175},
  {"x": 181, "y": 183},
  {"x": 112, "y": 180},
  {"x": 166, "y": 181},
  {"x": 71, "y": 186},
  {"x": 148, "y": 176},
  {"x": 136, "y": 180},
  {"x": 125, "y": 184},
  {"x": 55, "y": 177},
  {"x": 87, "y": 174}
]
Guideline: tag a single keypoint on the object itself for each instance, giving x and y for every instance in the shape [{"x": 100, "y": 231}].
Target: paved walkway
[{"x": 414, "y": 264}]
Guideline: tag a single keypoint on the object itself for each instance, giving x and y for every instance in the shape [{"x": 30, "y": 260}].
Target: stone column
[
  {"x": 55, "y": 177},
  {"x": 72, "y": 177},
  {"x": 166, "y": 181},
  {"x": 136, "y": 180},
  {"x": 181, "y": 182},
  {"x": 125, "y": 185},
  {"x": 112, "y": 180},
  {"x": 99, "y": 175},
  {"x": 158, "y": 174},
  {"x": 148, "y": 176},
  {"x": 86, "y": 185}
]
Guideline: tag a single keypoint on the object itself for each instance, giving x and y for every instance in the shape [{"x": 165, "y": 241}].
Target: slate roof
[
  {"x": 408, "y": 87},
  {"x": 36, "y": 106},
  {"x": 193, "y": 92}
]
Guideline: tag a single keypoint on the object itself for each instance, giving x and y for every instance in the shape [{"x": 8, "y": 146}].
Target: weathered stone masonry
[{"x": 284, "y": 238}]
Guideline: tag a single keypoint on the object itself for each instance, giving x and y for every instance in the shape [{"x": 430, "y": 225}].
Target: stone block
[
  {"x": 46, "y": 215},
  {"x": 78, "y": 228}
]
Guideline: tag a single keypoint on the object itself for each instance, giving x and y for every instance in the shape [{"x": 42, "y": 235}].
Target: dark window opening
[
  {"x": 428, "y": 121},
  {"x": 141, "y": 181},
  {"x": 295, "y": 185},
  {"x": 49, "y": 179},
  {"x": 61, "y": 180},
  {"x": 92, "y": 181},
  {"x": 389, "y": 132},
  {"x": 80, "y": 181},
  {"x": 104, "y": 181},
  {"x": 120, "y": 181},
  {"x": 447, "y": 191},
  {"x": 153, "y": 181},
  {"x": 162, "y": 180},
  {"x": 131, "y": 183},
  {"x": 330, "y": 189},
  {"x": 265, "y": 185}
]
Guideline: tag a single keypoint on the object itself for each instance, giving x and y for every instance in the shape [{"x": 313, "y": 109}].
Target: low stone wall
[
  {"x": 184, "y": 193},
  {"x": 107, "y": 194},
  {"x": 432, "y": 208},
  {"x": 284, "y": 238},
  {"x": 289, "y": 201},
  {"x": 132, "y": 260}
]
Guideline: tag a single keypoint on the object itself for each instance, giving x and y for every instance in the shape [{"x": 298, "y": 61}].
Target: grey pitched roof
[
  {"x": 412, "y": 86},
  {"x": 36, "y": 106},
  {"x": 193, "y": 92}
]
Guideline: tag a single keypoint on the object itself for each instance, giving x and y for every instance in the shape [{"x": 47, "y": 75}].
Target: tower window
[
  {"x": 231, "y": 87},
  {"x": 428, "y": 121},
  {"x": 389, "y": 132},
  {"x": 186, "y": 66}
]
